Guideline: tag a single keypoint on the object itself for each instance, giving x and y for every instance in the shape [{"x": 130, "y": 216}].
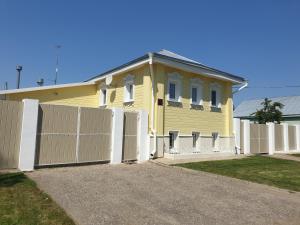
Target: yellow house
[{"x": 189, "y": 104}]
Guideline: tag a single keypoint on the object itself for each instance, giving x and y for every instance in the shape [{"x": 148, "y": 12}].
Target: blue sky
[{"x": 259, "y": 40}]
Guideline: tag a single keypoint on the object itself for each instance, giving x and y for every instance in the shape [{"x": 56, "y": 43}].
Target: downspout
[
  {"x": 153, "y": 131},
  {"x": 241, "y": 88}
]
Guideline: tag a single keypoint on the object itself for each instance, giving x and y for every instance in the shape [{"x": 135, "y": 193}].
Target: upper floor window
[
  {"x": 174, "y": 87},
  {"x": 129, "y": 88},
  {"x": 103, "y": 96},
  {"x": 215, "y": 95},
  {"x": 196, "y": 91}
]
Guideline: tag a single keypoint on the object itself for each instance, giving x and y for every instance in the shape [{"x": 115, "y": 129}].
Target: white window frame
[
  {"x": 197, "y": 147},
  {"x": 215, "y": 141},
  {"x": 174, "y": 78},
  {"x": 196, "y": 83},
  {"x": 217, "y": 88},
  {"x": 128, "y": 80}
]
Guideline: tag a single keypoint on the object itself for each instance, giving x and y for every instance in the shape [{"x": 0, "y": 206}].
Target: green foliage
[
  {"x": 21, "y": 202},
  {"x": 269, "y": 113}
]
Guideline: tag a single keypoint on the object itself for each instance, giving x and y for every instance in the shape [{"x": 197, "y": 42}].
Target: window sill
[
  {"x": 174, "y": 103},
  {"x": 215, "y": 109},
  {"x": 196, "y": 106},
  {"x": 128, "y": 103},
  {"x": 103, "y": 106},
  {"x": 173, "y": 100}
]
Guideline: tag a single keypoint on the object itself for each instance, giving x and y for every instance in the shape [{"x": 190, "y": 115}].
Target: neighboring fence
[
  {"x": 69, "y": 135},
  {"x": 266, "y": 138},
  {"x": 10, "y": 129}
]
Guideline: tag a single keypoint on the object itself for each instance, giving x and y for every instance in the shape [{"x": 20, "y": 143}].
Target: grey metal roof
[
  {"x": 291, "y": 106},
  {"x": 175, "y": 57}
]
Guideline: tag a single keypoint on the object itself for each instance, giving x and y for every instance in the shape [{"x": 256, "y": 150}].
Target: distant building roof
[{"x": 291, "y": 106}]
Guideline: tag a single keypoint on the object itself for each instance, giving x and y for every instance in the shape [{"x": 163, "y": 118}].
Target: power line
[{"x": 273, "y": 87}]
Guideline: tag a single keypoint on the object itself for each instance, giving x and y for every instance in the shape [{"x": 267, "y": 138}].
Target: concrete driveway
[{"x": 153, "y": 194}]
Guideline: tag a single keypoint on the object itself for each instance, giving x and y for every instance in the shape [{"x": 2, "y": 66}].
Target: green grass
[
  {"x": 21, "y": 202},
  {"x": 297, "y": 155},
  {"x": 264, "y": 170}
]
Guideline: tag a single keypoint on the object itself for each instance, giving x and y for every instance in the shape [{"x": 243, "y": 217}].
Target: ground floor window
[
  {"x": 215, "y": 136},
  {"x": 195, "y": 136},
  {"x": 172, "y": 139}
]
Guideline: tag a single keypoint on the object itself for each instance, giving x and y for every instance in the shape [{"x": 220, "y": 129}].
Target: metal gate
[
  {"x": 10, "y": 131},
  {"x": 130, "y": 136},
  {"x": 259, "y": 139},
  {"x": 69, "y": 134}
]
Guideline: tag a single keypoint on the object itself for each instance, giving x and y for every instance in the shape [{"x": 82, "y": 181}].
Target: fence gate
[
  {"x": 69, "y": 134},
  {"x": 259, "y": 139},
  {"x": 10, "y": 131},
  {"x": 130, "y": 136}
]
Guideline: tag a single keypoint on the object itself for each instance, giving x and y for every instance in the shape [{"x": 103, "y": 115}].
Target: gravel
[{"x": 153, "y": 194}]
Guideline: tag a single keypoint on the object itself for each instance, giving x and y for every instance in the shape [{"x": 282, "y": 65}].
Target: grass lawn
[
  {"x": 265, "y": 170},
  {"x": 297, "y": 155},
  {"x": 21, "y": 202}
]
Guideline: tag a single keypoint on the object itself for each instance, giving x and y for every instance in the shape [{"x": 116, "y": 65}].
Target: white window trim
[
  {"x": 217, "y": 88},
  {"x": 174, "y": 78},
  {"x": 175, "y": 149},
  {"x": 101, "y": 88},
  {"x": 197, "y": 147},
  {"x": 128, "y": 80},
  {"x": 196, "y": 83}
]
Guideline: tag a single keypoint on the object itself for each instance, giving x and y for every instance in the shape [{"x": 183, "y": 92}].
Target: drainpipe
[
  {"x": 241, "y": 88},
  {"x": 153, "y": 131}
]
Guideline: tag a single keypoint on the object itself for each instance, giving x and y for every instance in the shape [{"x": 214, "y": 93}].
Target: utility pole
[
  {"x": 57, "y": 47},
  {"x": 19, "y": 69}
]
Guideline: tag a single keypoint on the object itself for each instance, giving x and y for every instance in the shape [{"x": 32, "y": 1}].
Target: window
[
  {"x": 215, "y": 136},
  {"x": 196, "y": 91},
  {"x": 129, "y": 89},
  {"x": 172, "y": 91},
  {"x": 174, "y": 87},
  {"x": 194, "y": 95},
  {"x": 213, "y": 98},
  {"x": 172, "y": 139},
  {"x": 215, "y": 95},
  {"x": 103, "y": 96},
  {"x": 195, "y": 136}
]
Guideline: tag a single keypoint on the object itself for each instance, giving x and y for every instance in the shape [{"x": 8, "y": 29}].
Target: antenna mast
[{"x": 57, "y": 47}]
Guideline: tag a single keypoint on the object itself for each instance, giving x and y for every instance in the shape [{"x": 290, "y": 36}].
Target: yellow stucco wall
[
  {"x": 73, "y": 96},
  {"x": 182, "y": 117}
]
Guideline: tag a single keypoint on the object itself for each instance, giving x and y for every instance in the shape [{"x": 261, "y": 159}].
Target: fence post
[
  {"x": 246, "y": 137},
  {"x": 298, "y": 136},
  {"x": 143, "y": 145},
  {"x": 28, "y": 134},
  {"x": 271, "y": 137},
  {"x": 237, "y": 134},
  {"x": 285, "y": 137},
  {"x": 117, "y": 136}
]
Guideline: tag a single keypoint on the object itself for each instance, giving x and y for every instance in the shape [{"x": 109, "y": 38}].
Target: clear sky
[{"x": 259, "y": 40}]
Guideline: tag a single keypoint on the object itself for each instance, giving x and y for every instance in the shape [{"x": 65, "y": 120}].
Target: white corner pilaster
[
  {"x": 298, "y": 137},
  {"x": 28, "y": 134},
  {"x": 237, "y": 134},
  {"x": 285, "y": 137},
  {"x": 246, "y": 137},
  {"x": 117, "y": 136},
  {"x": 271, "y": 132},
  {"x": 143, "y": 144}
]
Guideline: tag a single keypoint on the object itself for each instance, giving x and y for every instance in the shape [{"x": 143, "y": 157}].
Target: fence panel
[
  {"x": 292, "y": 137},
  {"x": 56, "y": 135},
  {"x": 242, "y": 137},
  {"x": 95, "y": 135},
  {"x": 130, "y": 136},
  {"x": 278, "y": 137},
  {"x": 264, "y": 138},
  {"x": 10, "y": 130}
]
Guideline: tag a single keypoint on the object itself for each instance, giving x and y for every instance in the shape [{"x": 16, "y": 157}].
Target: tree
[{"x": 269, "y": 113}]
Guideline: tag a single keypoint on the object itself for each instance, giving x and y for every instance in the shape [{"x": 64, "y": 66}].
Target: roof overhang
[
  {"x": 21, "y": 90},
  {"x": 178, "y": 64}
]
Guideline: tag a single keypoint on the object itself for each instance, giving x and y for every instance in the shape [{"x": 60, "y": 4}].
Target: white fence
[{"x": 267, "y": 138}]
